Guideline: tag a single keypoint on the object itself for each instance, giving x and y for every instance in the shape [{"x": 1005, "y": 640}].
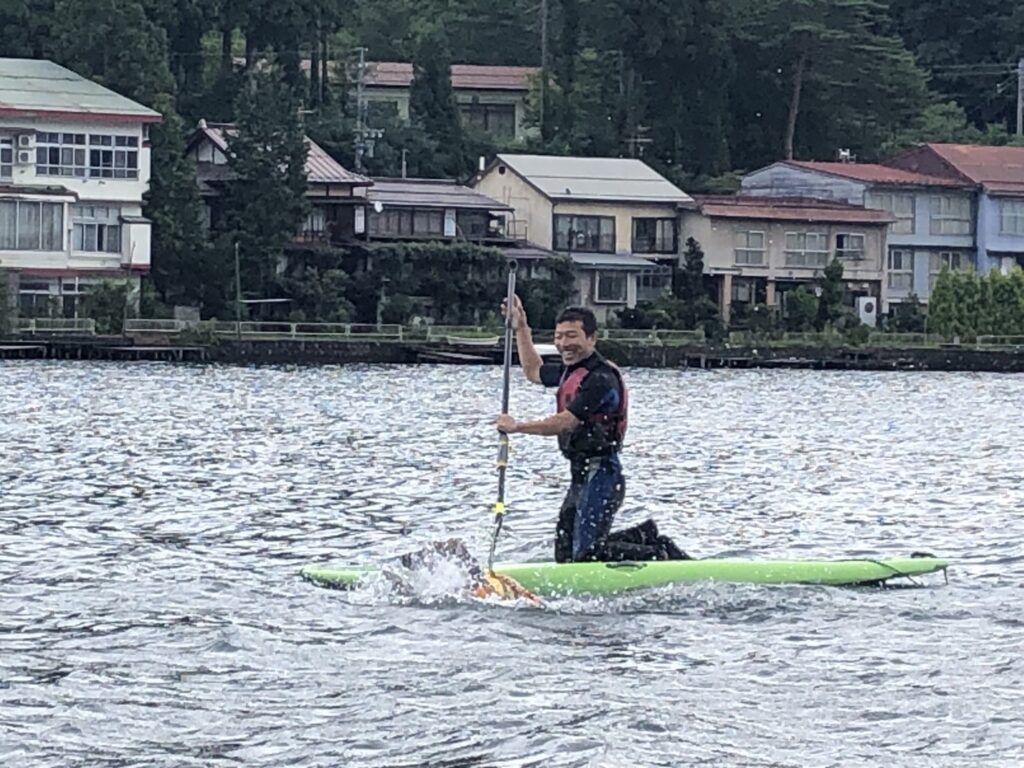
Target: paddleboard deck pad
[{"x": 548, "y": 579}]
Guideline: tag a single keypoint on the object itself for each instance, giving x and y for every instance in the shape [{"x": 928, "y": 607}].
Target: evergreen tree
[
  {"x": 172, "y": 203},
  {"x": 432, "y": 105},
  {"x": 114, "y": 43},
  {"x": 830, "y": 302},
  {"x": 265, "y": 203}
]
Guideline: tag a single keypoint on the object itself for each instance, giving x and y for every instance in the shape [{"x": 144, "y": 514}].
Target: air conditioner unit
[
  {"x": 26, "y": 141},
  {"x": 25, "y": 157},
  {"x": 867, "y": 310}
]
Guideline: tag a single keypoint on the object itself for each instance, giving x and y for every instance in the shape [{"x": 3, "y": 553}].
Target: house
[
  {"x": 347, "y": 207},
  {"x": 331, "y": 189},
  {"x": 74, "y": 166},
  {"x": 933, "y": 227},
  {"x": 617, "y": 218},
  {"x": 997, "y": 175},
  {"x": 759, "y": 248},
  {"x": 491, "y": 99}
]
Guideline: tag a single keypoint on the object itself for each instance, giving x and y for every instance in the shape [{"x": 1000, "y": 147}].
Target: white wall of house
[
  {"x": 104, "y": 170},
  {"x": 528, "y": 204}
]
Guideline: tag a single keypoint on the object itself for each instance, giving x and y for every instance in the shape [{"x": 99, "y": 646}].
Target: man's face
[{"x": 572, "y": 343}]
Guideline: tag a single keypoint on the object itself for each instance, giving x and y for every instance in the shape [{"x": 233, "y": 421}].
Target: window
[
  {"x": 806, "y": 249},
  {"x": 95, "y": 156},
  {"x": 380, "y": 113},
  {"x": 944, "y": 260},
  {"x": 96, "y": 229},
  {"x": 315, "y": 224},
  {"x": 6, "y": 157},
  {"x": 611, "y": 288},
  {"x": 428, "y": 222},
  {"x": 651, "y": 283},
  {"x": 899, "y": 204},
  {"x": 901, "y": 270},
  {"x": 1011, "y": 217},
  {"x": 750, "y": 248},
  {"x": 61, "y": 154},
  {"x": 406, "y": 222},
  {"x": 951, "y": 215},
  {"x": 850, "y": 246},
  {"x": 31, "y": 226},
  {"x": 473, "y": 224},
  {"x": 593, "y": 234},
  {"x": 654, "y": 235},
  {"x": 497, "y": 120}
]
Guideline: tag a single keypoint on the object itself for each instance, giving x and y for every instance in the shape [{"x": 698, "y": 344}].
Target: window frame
[
  {"x": 46, "y": 209},
  {"x": 639, "y": 246},
  {"x": 605, "y": 240},
  {"x": 611, "y": 273},
  {"x": 887, "y": 201},
  {"x": 1017, "y": 215},
  {"x": 904, "y": 274},
  {"x": 797, "y": 257},
  {"x": 7, "y": 158},
  {"x": 851, "y": 253},
  {"x": 940, "y": 217},
  {"x": 748, "y": 249}
]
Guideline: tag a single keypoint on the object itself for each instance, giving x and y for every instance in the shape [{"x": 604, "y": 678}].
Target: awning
[{"x": 621, "y": 261}]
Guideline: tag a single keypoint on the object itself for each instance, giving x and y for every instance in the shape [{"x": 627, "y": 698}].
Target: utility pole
[
  {"x": 360, "y": 111},
  {"x": 1020, "y": 97},
  {"x": 238, "y": 296},
  {"x": 543, "y": 63}
]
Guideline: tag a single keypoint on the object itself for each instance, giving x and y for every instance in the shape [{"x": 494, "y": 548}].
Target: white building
[{"x": 74, "y": 166}]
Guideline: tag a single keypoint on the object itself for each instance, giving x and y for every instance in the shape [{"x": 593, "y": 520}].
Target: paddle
[
  {"x": 503, "y": 586},
  {"x": 499, "y": 505}
]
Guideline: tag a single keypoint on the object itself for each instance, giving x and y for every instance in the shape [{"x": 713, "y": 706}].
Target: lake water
[{"x": 153, "y": 521}]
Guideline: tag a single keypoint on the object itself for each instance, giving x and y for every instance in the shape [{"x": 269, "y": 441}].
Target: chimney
[{"x": 483, "y": 163}]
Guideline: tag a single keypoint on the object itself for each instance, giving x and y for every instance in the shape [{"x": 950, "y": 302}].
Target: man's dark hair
[{"x": 581, "y": 315}]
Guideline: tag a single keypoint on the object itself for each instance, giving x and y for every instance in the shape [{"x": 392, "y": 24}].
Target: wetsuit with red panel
[{"x": 594, "y": 391}]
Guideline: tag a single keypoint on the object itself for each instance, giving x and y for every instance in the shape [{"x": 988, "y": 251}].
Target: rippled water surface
[{"x": 153, "y": 520}]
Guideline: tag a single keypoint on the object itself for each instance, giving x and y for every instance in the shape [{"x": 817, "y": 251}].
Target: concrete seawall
[{"x": 306, "y": 352}]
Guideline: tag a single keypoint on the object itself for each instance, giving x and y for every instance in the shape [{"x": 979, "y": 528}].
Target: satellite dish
[{"x": 377, "y": 207}]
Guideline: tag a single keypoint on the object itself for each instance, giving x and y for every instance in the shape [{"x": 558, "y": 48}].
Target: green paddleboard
[{"x": 564, "y": 579}]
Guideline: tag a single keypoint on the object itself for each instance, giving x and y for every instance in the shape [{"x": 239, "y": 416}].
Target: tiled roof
[
  {"x": 321, "y": 168},
  {"x": 874, "y": 173},
  {"x": 594, "y": 179},
  {"x": 398, "y": 74},
  {"x": 40, "y": 88},
  {"x": 789, "y": 209},
  {"x": 430, "y": 193}
]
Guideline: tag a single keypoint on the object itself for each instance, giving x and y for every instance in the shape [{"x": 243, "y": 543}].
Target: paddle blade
[{"x": 504, "y": 588}]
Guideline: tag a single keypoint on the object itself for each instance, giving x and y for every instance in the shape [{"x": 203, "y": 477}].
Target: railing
[
  {"x": 34, "y": 325},
  {"x": 996, "y": 342},
  {"x": 272, "y": 330},
  {"x": 654, "y": 336}
]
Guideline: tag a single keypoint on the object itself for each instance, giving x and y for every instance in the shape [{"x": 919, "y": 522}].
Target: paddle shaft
[{"x": 499, "y": 505}]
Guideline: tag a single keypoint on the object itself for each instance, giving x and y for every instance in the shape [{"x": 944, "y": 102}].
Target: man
[{"x": 590, "y": 423}]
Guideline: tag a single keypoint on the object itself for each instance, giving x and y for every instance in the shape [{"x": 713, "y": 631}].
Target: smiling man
[{"x": 590, "y": 423}]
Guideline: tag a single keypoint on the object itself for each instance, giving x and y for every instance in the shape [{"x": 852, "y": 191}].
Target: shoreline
[{"x": 965, "y": 358}]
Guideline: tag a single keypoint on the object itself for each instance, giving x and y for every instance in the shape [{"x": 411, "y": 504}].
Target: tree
[
  {"x": 172, "y": 203},
  {"x": 839, "y": 53},
  {"x": 698, "y": 309},
  {"x": 801, "y": 310},
  {"x": 432, "y": 105},
  {"x": 830, "y": 302},
  {"x": 265, "y": 203},
  {"x": 114, "y": 43}
]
